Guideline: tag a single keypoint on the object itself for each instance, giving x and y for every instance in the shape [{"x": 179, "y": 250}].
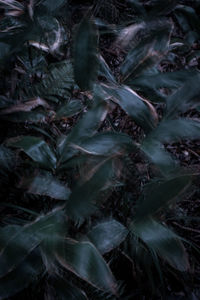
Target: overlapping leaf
[
  {"x": 148, "y": 51},
  {"x": 186, "y": 97},
  {"x": 157, "y": 195},
  {"x": 163, "y": 241},
  {"x": 85, "y": 128},
  {"x": 159, "y": 80},
  {"x": 82, "y": 199},
  {"x": 36, "y": 149},
  {"x": 25, "y": 239},
  {"x": 156, "y": 153},
  {"x": 141, "y": 111},
  {"x": 170, "y": 131},
  {"x": 48, "y": 185},
  {"x": 107, "y": 235},
  {"x": 69, "y": 109},
  {"x": 85, "y": 261},
  {"x": 106, "y": 144},
  {"x": 20, "y": 277}
]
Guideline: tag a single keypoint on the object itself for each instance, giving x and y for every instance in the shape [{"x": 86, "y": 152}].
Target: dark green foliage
[
  {"x": 75, "y": 201},
  {"x": 85, "y": 55}
]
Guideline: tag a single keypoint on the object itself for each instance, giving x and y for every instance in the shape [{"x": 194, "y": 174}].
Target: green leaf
[
  {"x": 156, "y": 153},
  {"x": 7, "y": 233},
  {"x": 36, "y": 149},
  {"x": 25, "y": 239},
  {"x": 107, "y": 235},
  {"x": 133, "y": 105},
  {"x": 20, "y": 278},
  {"x": 163, "y": 241},
  {"x": 106, "y": 144},
  {"x": 105, "y": 71},
  {"x": 148, "y": 51},
  {"x": 48, "y": 185},
  {"x": 161, "y": 80},
  {"x": 69, "y": 109},
  {"x": 85, "y": 128},
  {"x": 85, "y": 261},
  {"x": 169, "y": 131},
  {"x": 36, "y": 116},
  {"x": 81, "y": 202},
  {"x": 185, "y": 98},
  {"x": 85, "y": 55},
  {"x": 16, "y": 249},
  {"x": 156, "y": 195}
]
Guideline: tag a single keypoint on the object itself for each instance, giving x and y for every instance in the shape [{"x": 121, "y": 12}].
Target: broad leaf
[
  {"x": 82, "y": 199},
  {"x": 85, "y": 128},
  {"x": 156, "y": 153},
  {"x": 25, "y": 239},
  {"x": 138, "y": 108},
  {"x": 163, "y": 241},
  {"x": 107, "y": 235},
  {"x": 156, "y": 195},
  {"x": 20, "y": 277},
  {"x": 169, "y": 131},
  {"x": 35, "y": 116},
  {"x": 106, "y": 144},
  {"x": 36, "y": 149},
  {"x": 69, "y": 109},
  {"x": 85, "y": 261},
  {"x": 186, "y": 97},
  {"x": 48, "y": 185},
  {"x": 148, "y": 51},
  {"x": 161, "y": 80},
  {"x": 85, "y": 55}
]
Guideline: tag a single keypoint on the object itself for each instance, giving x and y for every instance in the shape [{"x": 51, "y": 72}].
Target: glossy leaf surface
[
  {"x": 85, "y": 55},
  {"x": 107, "y": 235},
  {"x": 163, "y": 241},
  {"x": 36, "y": 149},
  {"x": 85, "y": 261}
]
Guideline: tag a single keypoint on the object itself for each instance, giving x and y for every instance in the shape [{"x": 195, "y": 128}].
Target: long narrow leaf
[
  {"x": 140, "y": 110},
  {"x": 36, "y": 149},
  {"x": 163, "y": 241},
  {"x": 158, "y": 195},
  {"x": 85, "y": 55},
  {"x": 85, "y": 261},
  {"x": 22, "y": 276}
]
